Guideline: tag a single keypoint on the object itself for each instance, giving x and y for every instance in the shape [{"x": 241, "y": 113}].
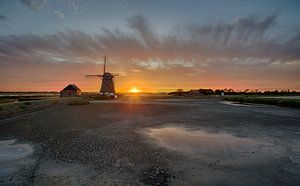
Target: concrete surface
[{"x": 157, "y": 142}]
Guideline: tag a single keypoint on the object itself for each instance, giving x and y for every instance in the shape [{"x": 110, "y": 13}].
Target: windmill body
[{"x": 107, "y": 83}]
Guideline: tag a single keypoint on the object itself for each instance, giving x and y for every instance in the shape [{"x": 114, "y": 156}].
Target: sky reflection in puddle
[
  {"x": 14, "y": 157},
  {"x": 236, "y": 104},
  {"x": 202, "y": 143}
]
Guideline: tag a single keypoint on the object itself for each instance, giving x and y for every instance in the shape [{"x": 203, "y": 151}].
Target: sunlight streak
[{"x": 134, "y": 90}]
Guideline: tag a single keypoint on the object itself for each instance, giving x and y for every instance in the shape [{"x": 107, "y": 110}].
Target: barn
[{"x": 70, "y": 91}]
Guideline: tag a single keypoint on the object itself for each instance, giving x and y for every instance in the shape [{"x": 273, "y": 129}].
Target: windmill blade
[
  {"x": 93, "y": 76},
  {"x": 115, "y": 74},
  {"x": 104, "y": 64}
]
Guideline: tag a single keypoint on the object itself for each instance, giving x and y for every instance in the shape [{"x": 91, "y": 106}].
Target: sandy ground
[{"x": 154, "y": 142}]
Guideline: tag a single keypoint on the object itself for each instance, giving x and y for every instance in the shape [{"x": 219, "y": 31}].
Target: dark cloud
[
  {"x": 246, "y": 41},
  {"x": 140, "y": 24},
  {"x": 246, "y": 37},
  {"x": 3, "y": 18},
  {"x": 242, "y": 32}
]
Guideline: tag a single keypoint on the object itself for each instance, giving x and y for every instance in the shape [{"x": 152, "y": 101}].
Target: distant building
[
  {"x": 70, "y": 91},
  {"x": 179, "y": 92},
  {"x": 194, "y": 93}
]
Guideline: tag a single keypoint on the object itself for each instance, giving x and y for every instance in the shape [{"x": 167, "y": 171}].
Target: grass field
[
  {"x": 13, "y": 108},
  {"x": 283, "y": 102}
]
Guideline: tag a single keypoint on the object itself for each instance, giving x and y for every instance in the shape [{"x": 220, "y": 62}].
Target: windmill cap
[{"x": 107, "y": 74}]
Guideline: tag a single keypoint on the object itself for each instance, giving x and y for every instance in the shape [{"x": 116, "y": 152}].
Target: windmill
[{"x": 107, "y": 85}]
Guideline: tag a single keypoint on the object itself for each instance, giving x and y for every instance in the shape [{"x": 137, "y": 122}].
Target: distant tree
[
  {"x": 218, "y": 92},
  {"x": 206, "y": 91}
]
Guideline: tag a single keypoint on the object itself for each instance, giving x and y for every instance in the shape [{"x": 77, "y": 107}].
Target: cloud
[
  {"x": 34, "y": 4},
  {"x": 59, "y": 14},
  {"x": 144, "y": 31},
  {"x": 151, "y": 64},
  {"x": 76, "y": 6},
  {"x": 158, "y": 64},
  {"x": 250, "y": 41},
  {"x": 246, "y": 37},
  {"x": 3, "y": 18}
]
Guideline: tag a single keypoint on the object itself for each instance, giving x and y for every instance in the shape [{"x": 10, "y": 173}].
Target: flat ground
[{"x": 158, "y": 142}]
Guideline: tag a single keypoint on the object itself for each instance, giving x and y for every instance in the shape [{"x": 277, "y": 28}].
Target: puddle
[
  {"x": 15, "y": 159},
  {"x": 235, "y": 104},
  {"x": 206, "y": 145},
  {"x": 12, "y": 151}
]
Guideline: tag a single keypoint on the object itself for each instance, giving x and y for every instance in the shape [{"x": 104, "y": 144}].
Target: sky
[{"x": 157, "y": 46}]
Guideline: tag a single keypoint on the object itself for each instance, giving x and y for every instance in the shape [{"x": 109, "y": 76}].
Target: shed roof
[{"x": 71, "y": 87}]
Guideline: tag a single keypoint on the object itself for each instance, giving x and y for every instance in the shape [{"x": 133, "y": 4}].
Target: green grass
[
  {"x": 12, "y": 108},
  {"x": 282, "y": 102}
]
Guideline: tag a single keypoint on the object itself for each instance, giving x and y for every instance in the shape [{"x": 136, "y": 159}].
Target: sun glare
[{"x": 134, "y": 90}]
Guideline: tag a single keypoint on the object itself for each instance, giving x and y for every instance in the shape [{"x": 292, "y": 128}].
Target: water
[
  {"x": 235, "y": 104},
  {"x": 202, "y": 144},
  {"x": 14, "y": 157}
]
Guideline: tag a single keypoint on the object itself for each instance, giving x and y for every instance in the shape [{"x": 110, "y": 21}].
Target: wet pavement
[{"x": 155, "y": 142}]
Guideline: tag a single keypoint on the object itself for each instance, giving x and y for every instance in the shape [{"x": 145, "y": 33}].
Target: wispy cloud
[
  {"x": 34, "y": 4},
  {"x": 245, "y": 38}
]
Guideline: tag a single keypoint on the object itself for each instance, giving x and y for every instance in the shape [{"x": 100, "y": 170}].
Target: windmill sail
[{"x": 104, "y": 65}]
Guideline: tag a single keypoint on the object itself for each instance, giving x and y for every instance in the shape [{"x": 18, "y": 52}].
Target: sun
[{"x": 134, "y": 90}]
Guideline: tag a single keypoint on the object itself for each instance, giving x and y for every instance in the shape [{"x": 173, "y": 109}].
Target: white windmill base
[{"x": 109, "y": 94}]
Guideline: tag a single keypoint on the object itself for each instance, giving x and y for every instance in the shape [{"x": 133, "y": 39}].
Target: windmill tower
[{"x": 107, "y": 85}]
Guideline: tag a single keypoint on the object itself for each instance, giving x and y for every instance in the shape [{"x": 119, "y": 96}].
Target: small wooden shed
[{"x": 70, "y": 91}]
